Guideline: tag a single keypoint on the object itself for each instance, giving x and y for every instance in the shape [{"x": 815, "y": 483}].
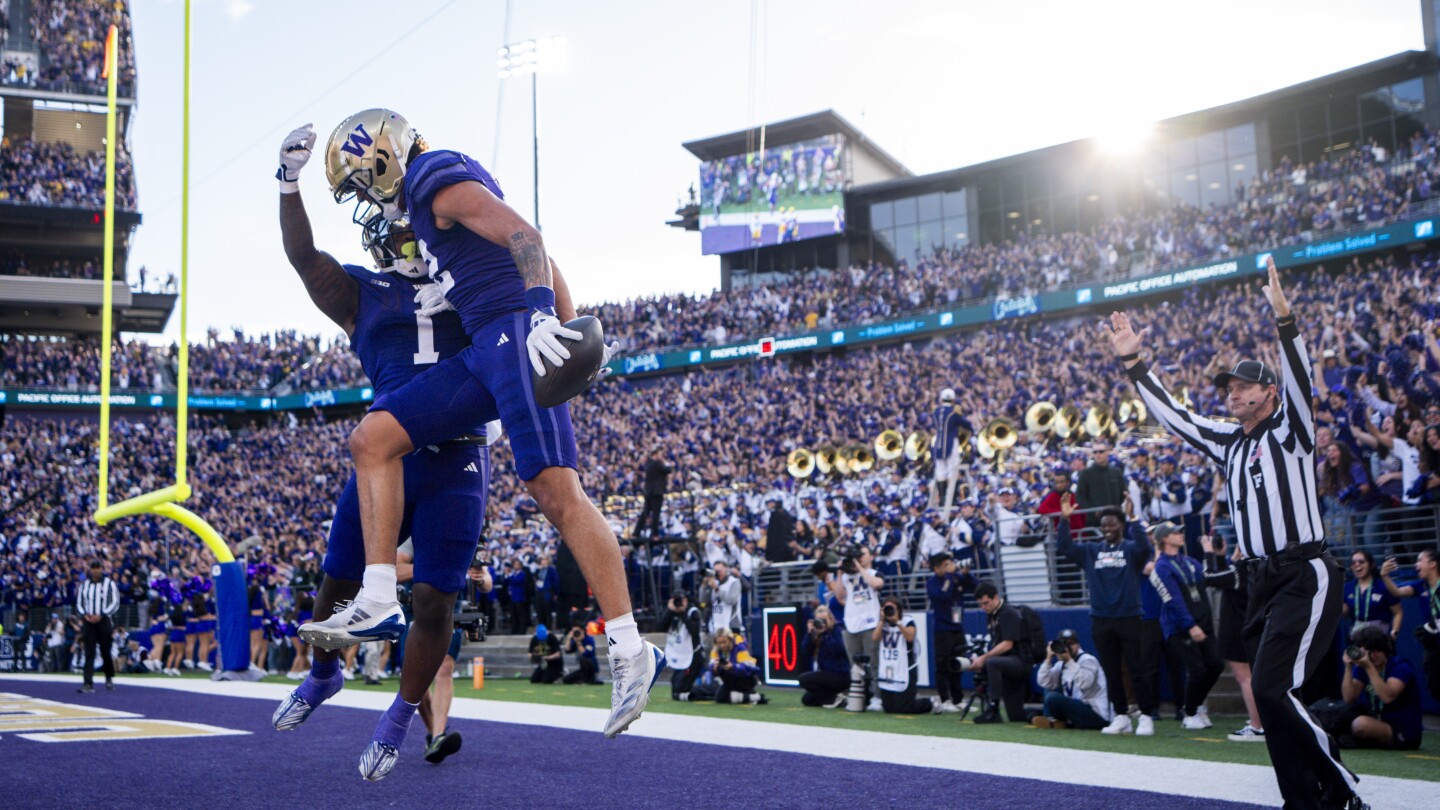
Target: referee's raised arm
[
  {"x": 1298, "y": 417},
  {"x": 1204, "y": 434}
]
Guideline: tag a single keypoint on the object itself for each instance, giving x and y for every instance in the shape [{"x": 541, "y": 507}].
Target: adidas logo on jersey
[
  {"x": 504, "y": 338},
  {"x": 377, "y": 282},
  {"x": 471, "y": 467}
]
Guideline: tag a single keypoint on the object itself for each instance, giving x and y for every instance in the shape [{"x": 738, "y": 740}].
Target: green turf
[
  {"x": 1169, "y": 740},
  {"x": 801, "y": 202}
]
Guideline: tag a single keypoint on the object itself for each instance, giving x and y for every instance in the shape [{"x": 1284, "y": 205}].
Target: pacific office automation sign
[
  {"x": 1166, "y": 281},
  {"x": 764, "y": 347},
  {"x": 64, "y": 398}
]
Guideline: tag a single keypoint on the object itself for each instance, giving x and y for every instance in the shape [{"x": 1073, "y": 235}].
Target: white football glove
[
  {"x": 432, "y": 300},
  {"x": 544, "y": 340},
  {"x": 295, "y": 152},
  {"x": 611, "y": 349}
]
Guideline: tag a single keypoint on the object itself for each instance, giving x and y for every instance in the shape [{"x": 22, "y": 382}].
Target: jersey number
[{"x": 424, "y": 326}]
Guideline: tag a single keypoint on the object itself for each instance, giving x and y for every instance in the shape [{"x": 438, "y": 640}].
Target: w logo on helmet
[{"x": 358, "y": 140}]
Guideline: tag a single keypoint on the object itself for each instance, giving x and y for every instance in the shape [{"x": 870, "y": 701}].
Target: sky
[{"x": 937, "y": 84}]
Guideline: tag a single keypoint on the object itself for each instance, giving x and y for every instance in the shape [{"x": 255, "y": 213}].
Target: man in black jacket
[
  {"x": 779, "y": 533},
  {"x": 657, "y": 474},
  {"x": 1100, "y": 484}
]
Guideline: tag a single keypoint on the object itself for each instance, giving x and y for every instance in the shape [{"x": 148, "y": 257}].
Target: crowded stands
[
  {"x": 56, "y": 174},
  {"x": 70, "y": 34}
]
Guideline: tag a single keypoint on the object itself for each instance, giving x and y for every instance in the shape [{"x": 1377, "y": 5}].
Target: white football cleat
[
  {"x": 630, "y": 693},
  {"x": 378, "y": 760},
  {"x": 355, "y": 622}
]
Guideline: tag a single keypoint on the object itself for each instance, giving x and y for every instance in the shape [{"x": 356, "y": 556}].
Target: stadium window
[
  {"x": 1409, "y": 97},
  {"x": 1242, "y": 171},
  {"x": 1383, "y": 132},
  {"x": 957, "y": 231},
  {"x": 1313, "y": 122},
  {"x": 1343, "y": 115},
  {"x": 882, "y": 216},
  {"x": 1012, "y": 190},
  {"x": 955, "y": 206},
  {"x": 1211, "y": 146},
  {"x": 1240, "y": 140},
  {"x": 1343, "y": 140},
  {"x": 1185, "y": 186},
  {"x": 931, "y": 236},
  {"x": 1283, "y": 131},
  {"x": 1067, "y": 215},
  {"x": 905, "y": 212},
  {"x": 1214, "y": 184},
  {"x": 929, "y": 207},
  {"x": 1376, "y": 104},
  {"x": 1182, "y": 154},
  {"x": 1312, "y": 149}
]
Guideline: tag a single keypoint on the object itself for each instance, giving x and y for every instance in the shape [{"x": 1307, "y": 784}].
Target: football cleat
[
  {"x": 303, "y": 699},
  {"x": 633, "y": 678},
  {"x": 378, "y": 760},
  {"x": 354, "y": 622}
]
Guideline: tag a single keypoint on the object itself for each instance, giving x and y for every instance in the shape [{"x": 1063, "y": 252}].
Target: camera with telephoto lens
[
  {"x": 961, "y": 663},
  {"x": 891, "y": 612},
  {"x": 849, "y": 558},
  {"x": 1060, "y": 647}
]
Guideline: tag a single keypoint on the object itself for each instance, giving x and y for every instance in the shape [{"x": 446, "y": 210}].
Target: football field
[{"x": 539, "y": 746}]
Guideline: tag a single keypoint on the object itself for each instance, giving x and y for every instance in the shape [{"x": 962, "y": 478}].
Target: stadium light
[{"x": 532, "y": 57}]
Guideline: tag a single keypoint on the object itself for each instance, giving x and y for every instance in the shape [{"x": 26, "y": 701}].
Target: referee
[
  {"x": 1295, "y": 586},
  {"x": 97, "y": 602}
]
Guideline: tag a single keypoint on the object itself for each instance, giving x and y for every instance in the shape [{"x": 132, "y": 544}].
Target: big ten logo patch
[{"x": 50, "y": 721}]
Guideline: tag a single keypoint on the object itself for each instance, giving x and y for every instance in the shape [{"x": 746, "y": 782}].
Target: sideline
[{"x": 1205, "y": 780}]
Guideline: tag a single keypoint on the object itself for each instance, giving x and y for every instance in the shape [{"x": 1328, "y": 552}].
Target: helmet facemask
[{"x": 394, "y": 247}]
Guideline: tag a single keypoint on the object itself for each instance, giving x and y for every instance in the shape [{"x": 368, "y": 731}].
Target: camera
[
  {"x": 891, "y": 612},
  {"x": 1354, "y": 653},
  {"x": 821, "y": 569},
  {"x": 1059, "y": 647}
]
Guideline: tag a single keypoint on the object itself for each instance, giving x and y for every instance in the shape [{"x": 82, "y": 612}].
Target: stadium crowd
[
  {"x": 56, "y": 174},
  {"x": 16, "y": 263},
  {"x": 71, "y": 36},
  {"x": 73, "y": 364}
]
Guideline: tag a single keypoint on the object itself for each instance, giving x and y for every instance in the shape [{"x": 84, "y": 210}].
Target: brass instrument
[
  {"x": 1068, "y": 422},
  {"x": 1132, "y": 408},
  {"x": 861, "y": 458},
  {"x": 1181, "y": 395},
  {"x": 845, "y": 462},
  {"x": 1040, "y": 418},
  {"x": 962, "y": 438},
  {"x": 1099, "y": 421},
  {"x": 800, "y": 463},
  {"x": 917, "y": 446},
  {"x": 1000, "y": 434},
  {"x": 983, "y": 447},
  {"x": 827, "y": 459},
  {"x": 889, "y": 445}
]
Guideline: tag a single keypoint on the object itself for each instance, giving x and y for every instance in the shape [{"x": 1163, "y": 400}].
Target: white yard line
[{"x": 1209, "y": 780}]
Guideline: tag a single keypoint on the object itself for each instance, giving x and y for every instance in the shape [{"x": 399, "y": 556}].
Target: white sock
[
  {"x": 379, "y": 584},
  {"x": 624, "y": 636}
]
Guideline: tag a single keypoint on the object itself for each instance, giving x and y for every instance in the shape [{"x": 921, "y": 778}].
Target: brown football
[{"x": 561, "y": 384}]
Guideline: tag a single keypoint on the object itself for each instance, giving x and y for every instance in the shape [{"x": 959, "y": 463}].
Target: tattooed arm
[
  {"x": 472, "y": 205},
  {"x": 330, "y": 287}
]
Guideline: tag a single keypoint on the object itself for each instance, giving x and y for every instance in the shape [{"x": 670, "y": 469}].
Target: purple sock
[
  {"x": 395, "y": 722},
  {"x": 319, "y": 687}
]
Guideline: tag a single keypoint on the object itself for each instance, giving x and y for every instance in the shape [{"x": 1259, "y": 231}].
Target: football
[{"x": 561, "y": 383}]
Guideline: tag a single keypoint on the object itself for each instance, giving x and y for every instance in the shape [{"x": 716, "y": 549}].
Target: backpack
[{"x": 1034, "y": 633}]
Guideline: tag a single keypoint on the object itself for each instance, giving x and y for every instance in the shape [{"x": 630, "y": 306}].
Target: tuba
[
  {"x": 827, "y": 459},
  {"x": 889, "y": 445},
  {"x": 1099, "y": 421},
  {"x": 1132, "y": 408},
  {"x": 1000, "y": 434},
  {"x": 861, "y": 458},
  {"x": 1068, "y": 422},
  {"x": 917, "y": 446},
  {"x": 800, "y": 463},
  {"x": 1041, "y": 417},
  {"x": 1181, "y": 395}
]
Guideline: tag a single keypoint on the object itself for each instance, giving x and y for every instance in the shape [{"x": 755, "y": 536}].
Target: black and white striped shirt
[
  {"x": 98, "y": 597},
  {"x": 1270, "y": 471}
]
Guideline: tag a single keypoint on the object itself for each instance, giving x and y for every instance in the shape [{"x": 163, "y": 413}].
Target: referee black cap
[{"x": 1250, "y": 371}]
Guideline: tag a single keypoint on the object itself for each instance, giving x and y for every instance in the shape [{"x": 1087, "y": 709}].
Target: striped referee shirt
[
  {"x": 1269, "y": 471},
  {"x": 98, "y": 597}
]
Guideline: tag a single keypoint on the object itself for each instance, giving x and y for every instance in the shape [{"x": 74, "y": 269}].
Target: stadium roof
[
  {"x": 1397, "y": 67},
  {"x": 825, "y": 122}
]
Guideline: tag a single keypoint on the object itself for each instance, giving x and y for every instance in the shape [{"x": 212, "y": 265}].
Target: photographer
[
  {"x": 897, "y": 677},
  {"x": 858, "y": 589},
  {"x": 946, "y": 589},
  {"x": 823, "y": 649},
  {"x": 1075, "y": 691},
  {"x": 683, "y": 653},
  {"x": 724, "y": 599},
  {"x": 735, "y": 669},
  {"x": 1112, "y": 570},
  {"x": 1427, "y": 590},
  {"x": 1384, "y": 688},
  {"x": 582, "y": 646},
  {"x": 1006, "y": 664},
  {"x": 546, "y": 656}
]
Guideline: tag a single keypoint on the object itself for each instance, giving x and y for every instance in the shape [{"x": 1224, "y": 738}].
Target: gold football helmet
[{"x": 365, "y": 161}]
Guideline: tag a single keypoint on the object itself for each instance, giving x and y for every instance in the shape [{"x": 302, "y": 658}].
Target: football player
[
  {"x": 492, "y": 266},
  {"x": 400, "y": 325}
]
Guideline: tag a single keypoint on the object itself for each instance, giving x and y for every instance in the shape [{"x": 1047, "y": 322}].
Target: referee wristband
[{"x": 1125, "y": 358}]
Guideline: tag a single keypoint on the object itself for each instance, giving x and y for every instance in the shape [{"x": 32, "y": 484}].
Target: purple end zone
[{"x": 501, "y": 765}]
